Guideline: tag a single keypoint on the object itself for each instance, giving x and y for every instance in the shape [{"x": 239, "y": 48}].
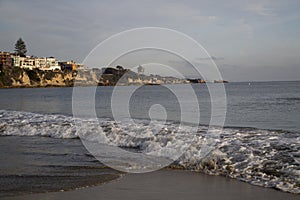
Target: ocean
[{"x": 41, "y": 150}]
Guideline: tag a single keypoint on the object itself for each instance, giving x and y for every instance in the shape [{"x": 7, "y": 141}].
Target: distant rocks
[
  {"x": 197, "y": 81},
  {"x": 220, "y": 81},
  {"x": 203, "y": 81},
  {"x": 11, "y": 77}
]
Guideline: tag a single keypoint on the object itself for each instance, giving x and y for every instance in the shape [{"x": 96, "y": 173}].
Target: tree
[
  {"x": 120, "y": 68},
  {"x": 20, "y": 47},
  {"x": 141, "y": 69}
]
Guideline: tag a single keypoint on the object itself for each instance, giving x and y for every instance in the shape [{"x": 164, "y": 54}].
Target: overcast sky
[{"x": 249, "y": 40}]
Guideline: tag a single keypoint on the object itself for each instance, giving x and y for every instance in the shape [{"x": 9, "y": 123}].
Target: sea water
[{"x": 260, "y": 143}]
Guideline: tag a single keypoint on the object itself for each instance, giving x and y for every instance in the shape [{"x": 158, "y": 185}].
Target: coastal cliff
[
  {"x": 15, "y": 77},
  {"x": 18, "y": 77}
]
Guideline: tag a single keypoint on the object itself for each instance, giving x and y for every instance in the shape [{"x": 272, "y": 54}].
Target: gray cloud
[{"x": 211, "y": 58}]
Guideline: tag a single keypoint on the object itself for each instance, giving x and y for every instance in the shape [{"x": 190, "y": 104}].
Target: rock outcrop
[{"x": 18, "y": 77}]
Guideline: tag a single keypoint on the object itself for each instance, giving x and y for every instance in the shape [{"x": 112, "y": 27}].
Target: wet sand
[{"x": 168, "y": 184}]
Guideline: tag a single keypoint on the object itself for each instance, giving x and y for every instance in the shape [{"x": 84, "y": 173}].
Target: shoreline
[
  {"x": 71, "y": 86},
  {"x": 167, "y": 184},
  {"x": 95, "y": 85}
]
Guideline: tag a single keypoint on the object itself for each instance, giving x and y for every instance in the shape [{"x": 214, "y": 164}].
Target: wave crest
[{"x": 261, "y": 157}]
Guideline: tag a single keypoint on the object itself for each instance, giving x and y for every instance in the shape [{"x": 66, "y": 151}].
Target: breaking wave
[{"x": 268, "y": 158}]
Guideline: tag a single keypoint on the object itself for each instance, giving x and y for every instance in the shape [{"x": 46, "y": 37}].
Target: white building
[
  {"x": 16, "y": 60},
  {"x": 40, "y": 62},
  {"x": 31, "y": 63},
  {"x": 51, "y": 64},
  {"x": 27, "y": 63}
]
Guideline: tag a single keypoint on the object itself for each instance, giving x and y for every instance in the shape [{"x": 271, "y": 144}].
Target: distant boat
[{"x": 249, "y": 83}]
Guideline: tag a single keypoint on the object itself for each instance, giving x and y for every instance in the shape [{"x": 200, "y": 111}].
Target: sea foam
[{"x": 266, "y": 158}]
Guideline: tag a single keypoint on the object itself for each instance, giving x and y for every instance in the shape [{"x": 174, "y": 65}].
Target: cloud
[
  {"x": 210, "y": 58},
  {"x": 183, "y": 12},
  {"x": 259, "y": 8},
  {"x": 245, "y": 28}
]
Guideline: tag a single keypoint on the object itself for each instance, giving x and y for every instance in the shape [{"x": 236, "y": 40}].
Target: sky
[{"x": 249, "y": 40}]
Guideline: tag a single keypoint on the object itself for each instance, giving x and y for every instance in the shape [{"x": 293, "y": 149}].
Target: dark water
[
  {"x": 262, "y": 135},
  {"x": 266, "y": 105},
  {"x": 43, "y": 164}
]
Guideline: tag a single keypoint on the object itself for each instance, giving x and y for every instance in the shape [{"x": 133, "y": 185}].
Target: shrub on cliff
[
  {"x": 33, "y": 76},
  {"x": 4, "y": 80},
  {"x": 49, "y": 75},
  {"x": 15, "y": 72},
  {"x": 7, "y": 74}
]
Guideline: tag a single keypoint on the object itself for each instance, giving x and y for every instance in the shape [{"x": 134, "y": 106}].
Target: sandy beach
[{"x": 167, "y": 184}]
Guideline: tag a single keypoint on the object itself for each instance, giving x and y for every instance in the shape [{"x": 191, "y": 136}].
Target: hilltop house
[
  {"x": 5, "y": 59},
  {"x": 31, "y": 63},
  {"x": 71, "y": 65},
  {"x": 8, "y": 59}
]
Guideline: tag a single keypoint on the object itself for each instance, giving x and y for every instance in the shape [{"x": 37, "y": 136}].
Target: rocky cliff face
[{"x": 17, "y": 77}]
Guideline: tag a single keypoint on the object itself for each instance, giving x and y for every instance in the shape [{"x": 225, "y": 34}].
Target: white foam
[{"x": 260, "y": 157}]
